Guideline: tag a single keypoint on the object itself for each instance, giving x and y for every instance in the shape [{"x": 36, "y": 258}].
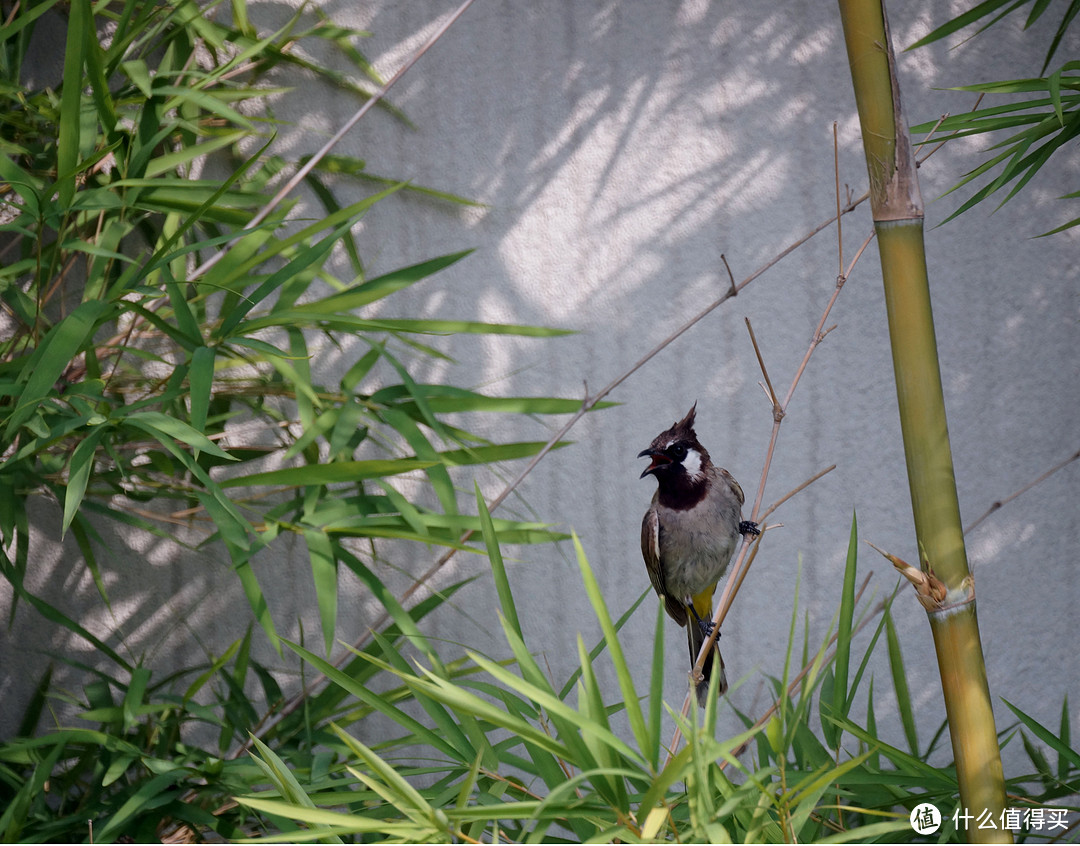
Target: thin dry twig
[
  {"x": 839, "y": 222},
  {"x": 765, "y": 514},
  {"x": 934, "y": 129},
  {"x": 742, "y": 561},
  {"x": 997, "y": 504}
]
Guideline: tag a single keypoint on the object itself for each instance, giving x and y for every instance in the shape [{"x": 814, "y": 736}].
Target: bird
[{"x": 689, "y": 534}]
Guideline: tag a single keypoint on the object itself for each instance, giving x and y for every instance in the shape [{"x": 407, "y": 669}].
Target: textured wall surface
[{"x": 620, "y": 148}]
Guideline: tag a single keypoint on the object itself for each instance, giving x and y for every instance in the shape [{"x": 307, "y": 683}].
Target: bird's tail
[{"x": 695, "y": 638}]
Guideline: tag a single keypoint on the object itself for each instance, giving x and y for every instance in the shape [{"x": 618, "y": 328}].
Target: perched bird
[{"x": 689, "y": 534}]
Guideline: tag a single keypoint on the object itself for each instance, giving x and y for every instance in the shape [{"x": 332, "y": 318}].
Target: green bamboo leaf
[
  {"x": 498, "y": 568},
  {"x": 495, "y": 452},
  {"x": 601, "y": 645},
  {"x": 631, "y": 701},
  {"x": 375, "y": 701},
  {"x": 458, "y": 697},
  {"x": 334, "y": 822},
  {"x": 325, "y": 575},
  {"x": 356, "y": 373},
  {"x": 446, "y": 399},
  {"x": 380, "y": 287},
  {"x": 165, "y": 428},
  {"x": 1046, "y": 736},
  {"x": 656, "y": 691},
  {"x": 809, "y": 792},
  {"x": 80, "y": 24},
  {"x": 880, "y": 832},
  {"x": 1070, "y": 15},
  {"x": 238, "y": 270},
  {"x": 401, "y": 617},
  {"x": 218, "y": 663},
  {"x": 185, "y": 155},
  {"x": 304, "y": 258},
  {"x": 461, "y": 731},
  {"x": 27, "y": 15},
  {"x": 412, "y": 515},
  {"x": 287, "y": 785},
  {"x": 134, "y": 695},
  {"x": 28, "y": 188},
  {"x": 1064, "y": 733},
  {"x": 185, "y": 319},
  {"x": 99, "y": 87},
  {"x": 900, "y": 685},
  {"x": 399, "y": 792},
  {"x": 1054, "y": 86},
  {"x": 80, "y": 467},
  {"x": 844, "y": 626},
  {"x": 53, "y": 355},
  {"x": 139, "y": 74},
  {"x": 143, "y": 800},
  {"x": 327, "y": 474},
  {"x": 256, "y": 599},
  {"x": 591, "y": 704},
  {"x": 349, "y": 429},
  {"x": 987, "y": 7},
  {"x": 32, "y": 715},
  {"x": 201, "y": 385}
]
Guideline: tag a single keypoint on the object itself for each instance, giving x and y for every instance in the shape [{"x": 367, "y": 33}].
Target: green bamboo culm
[{"x": 898, "y": 221}]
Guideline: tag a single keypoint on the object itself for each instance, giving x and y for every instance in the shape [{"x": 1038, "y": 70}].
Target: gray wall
[{"x": 620, "y": 148}]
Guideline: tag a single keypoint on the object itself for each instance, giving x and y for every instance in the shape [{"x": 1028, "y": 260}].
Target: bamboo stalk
[{"x": 898, "y": 219}]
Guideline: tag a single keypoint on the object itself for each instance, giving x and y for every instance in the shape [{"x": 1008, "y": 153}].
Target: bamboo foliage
[{"x": 898, "y": 219}]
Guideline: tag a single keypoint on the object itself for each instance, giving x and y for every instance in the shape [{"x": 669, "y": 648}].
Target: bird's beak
[{"x": 658, "y": 458}]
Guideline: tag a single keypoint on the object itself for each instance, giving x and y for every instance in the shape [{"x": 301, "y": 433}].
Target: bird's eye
[{"x": 678, "y": 452}]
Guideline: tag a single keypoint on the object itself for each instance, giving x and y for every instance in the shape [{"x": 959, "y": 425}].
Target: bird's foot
[
  {"x": 749, "y": 527},
  {"x": 706, "y": 626}
]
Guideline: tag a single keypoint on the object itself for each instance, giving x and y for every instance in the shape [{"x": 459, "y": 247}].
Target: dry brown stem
[{"x": 779, "y": 410}]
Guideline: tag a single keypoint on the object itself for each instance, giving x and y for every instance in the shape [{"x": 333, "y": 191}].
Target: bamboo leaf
[
  {"x": 201, "y": 385},
  {"x": 53, "y": 355},
  {"x": 900, "y": 685},
  {"x": 80, "y": 467},
  {"x": 840, "y": 697},
  {"x": 165, "y": 428},
  {"x": 498, "y": 568},
  {"x": 987, "y": 7},
  {"x": 80, "y": 24},
  {"x": 631, "y": 701},
  {"x": 380, "y": 287},
  {"x": 324, "y": 572},
  {"x": 326, "y": 474},
  {"x": 1046, "y": 736}
]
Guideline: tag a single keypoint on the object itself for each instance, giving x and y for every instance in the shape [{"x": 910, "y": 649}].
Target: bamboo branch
[
  {"x": 742, "y": 563},
  {"x": 1000, "y": 502}
]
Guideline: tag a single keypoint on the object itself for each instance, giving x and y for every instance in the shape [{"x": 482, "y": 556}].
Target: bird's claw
[{"x": 749, "y": 527}]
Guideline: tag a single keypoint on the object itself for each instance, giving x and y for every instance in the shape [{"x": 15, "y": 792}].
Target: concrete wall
[{"x": 620, "y": 149}]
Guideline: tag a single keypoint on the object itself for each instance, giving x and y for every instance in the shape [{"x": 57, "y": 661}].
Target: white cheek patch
[{"x": 692, "y": 463}]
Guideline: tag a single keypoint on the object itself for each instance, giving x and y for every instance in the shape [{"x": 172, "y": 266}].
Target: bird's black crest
[{"x": 682, "y": 431}]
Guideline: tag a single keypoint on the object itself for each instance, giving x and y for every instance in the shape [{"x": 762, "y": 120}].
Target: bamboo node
[{"x": 931, "y": 592}]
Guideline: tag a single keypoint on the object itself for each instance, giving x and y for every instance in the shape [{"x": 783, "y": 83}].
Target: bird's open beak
[{"x": 658, "y": 458}]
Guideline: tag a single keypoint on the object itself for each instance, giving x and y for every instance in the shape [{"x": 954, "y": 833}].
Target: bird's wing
[
  {"x": 650, "y": 551},
  {"x": 734, "y": 486}
]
